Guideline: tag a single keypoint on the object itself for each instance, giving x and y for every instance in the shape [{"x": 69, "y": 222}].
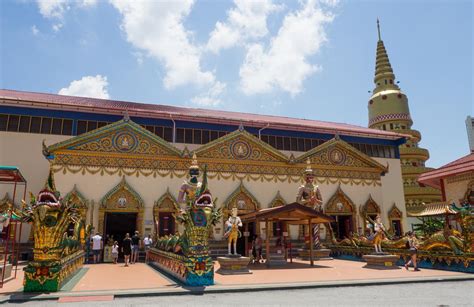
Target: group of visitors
[{"x": 130, "y": 248}]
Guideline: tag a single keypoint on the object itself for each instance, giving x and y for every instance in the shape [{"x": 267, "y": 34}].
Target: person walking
[
  {"x": 127, "y": 248},
  {"x": 115, "y": 252},
  {"x": 97, "y": 246},
  {"x": 412, "y": 245},
  {"x": 136, "y": 245},
  {"x": 147, "y": 241},
  {"x": 258, "y": 248}
]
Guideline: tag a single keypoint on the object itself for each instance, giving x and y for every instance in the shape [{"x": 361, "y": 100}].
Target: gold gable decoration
[
  {"x": 340, "y": 204},
  {"x": 80, "y": 203},
  {"x": 370, "y": 207},
  {"x": 240, "y": 145},
  {"x": 277, "y": 201},
  {"x": 395, "y": 213},
  {"x": 122, "y": 198},
  {"x": 166, "y": 202},
  {"x": 340, "y": 154}
]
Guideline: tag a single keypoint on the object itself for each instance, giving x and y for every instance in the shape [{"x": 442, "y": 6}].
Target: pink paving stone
[
  {"x": 117, "y": 277},
  {"x": 14, "y": 285},
  {"x": 326, "y": 270}
]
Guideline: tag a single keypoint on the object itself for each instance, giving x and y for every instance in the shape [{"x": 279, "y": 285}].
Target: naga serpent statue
[
  {"x": 186, "y": 255},
  {"x": 56, "y": 255}
]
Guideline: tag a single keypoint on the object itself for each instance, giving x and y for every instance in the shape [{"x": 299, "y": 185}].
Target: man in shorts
[
  {"x": 136, "y": 244},
  {"x": 97, "y": 246}
]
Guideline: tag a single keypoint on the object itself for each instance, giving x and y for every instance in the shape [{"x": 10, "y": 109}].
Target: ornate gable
[
  {"x": 338, "y": 154},
  {"x": 111, "y": 145},
  {"x": 122, "y": 198},
  {"x": 370, "y": 207},
  {"x": 340, "y": 204},
  {"x": 395, "y": 213},
  {"x": 167, "y": 202},
  {"x": 242, "y": 199},
  {"x": 277, "y": 201},
  {"x": 76, "y": 198},
  {"x": 240, "y": 146}
]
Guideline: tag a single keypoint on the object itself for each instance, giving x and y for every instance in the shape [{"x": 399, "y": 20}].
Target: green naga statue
[
  {"x": 57, "y": 255},
  {"x": 190, "y": 250}
]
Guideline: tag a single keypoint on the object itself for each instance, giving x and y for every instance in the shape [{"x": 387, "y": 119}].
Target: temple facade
[
  {"x": 123, "y": 163},
  {"x": 389, "y": 111}
]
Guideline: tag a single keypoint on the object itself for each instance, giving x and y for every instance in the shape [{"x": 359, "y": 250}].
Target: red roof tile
[
  {"x": 459, "y": 166},
  {"x": 95, "y": 105}
]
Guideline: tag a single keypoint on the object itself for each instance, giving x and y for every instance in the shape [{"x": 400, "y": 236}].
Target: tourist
[
  {"x": 97, "y": 246},
  {"x": 147, "y": 242},
  {"x": 115, "y": 252},
  {"x": 412, "y": 245},
  {"x": 258, "y": 248},
  {"x": 136, "y": 245},
  {"x": 127, "y": 248}
]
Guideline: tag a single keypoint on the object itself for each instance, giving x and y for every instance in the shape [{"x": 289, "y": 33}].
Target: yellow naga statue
[
  {"x": 232, "y": 232},
  {"x": 56, "y": 254}
]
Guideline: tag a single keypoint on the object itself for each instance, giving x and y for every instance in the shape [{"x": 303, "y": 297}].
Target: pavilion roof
[
  {"x": 459, "y": 166},
  {"x": 434, "y": 209},
  {"x": 11, "y": 174},
  {"x": 293, "y": 213}
]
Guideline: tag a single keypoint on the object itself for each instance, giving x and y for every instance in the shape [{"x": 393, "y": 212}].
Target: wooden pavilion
[{"x": 291, "y": 214}]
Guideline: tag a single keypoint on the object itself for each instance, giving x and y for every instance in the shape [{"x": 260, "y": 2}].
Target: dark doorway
[
  {"x": 117, "y": 225},
  {"x": 397, "y": 228},
  {"x": 241, "y": 240},
  {"x": 166, "y": 224},
  {"x": 342, "y": 226}
]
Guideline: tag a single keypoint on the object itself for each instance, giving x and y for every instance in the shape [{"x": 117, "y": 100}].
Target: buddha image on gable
[{"x": 122, "y": 202}]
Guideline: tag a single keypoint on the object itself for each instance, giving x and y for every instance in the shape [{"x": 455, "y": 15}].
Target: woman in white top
[{"x": 115, "y": 252}]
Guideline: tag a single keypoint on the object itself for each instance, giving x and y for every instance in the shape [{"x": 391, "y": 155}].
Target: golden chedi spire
[{"x": 389, "y": 110}]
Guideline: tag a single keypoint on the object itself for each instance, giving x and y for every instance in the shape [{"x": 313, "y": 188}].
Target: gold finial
[
  {"x": 308, "y": 170},
  {"x": 378, "y": 29},
  {"x": 194, "y": 162}
]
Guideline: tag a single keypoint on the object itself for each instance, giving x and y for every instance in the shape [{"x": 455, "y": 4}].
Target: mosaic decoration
[
  {"x": 186, "y": 256},
  {"x": 125, "y": 148},
  {"x": 57, "y": 256}
]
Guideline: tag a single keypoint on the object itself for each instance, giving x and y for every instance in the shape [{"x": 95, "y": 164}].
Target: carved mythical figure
[
  {"x": 308, "y": 193},
  {"x": 379, "y": 234},
  {"x": 198, "y": 217},
  {"x": 232, "y": 232},
  {"x": 190, "y": 187},
  {"x": 51, "y": 217}
]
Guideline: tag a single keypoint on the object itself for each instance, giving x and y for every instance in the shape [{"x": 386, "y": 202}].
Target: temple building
[
  {"x": 123, "y": 163},
  {"x": 389, "y": 111}
]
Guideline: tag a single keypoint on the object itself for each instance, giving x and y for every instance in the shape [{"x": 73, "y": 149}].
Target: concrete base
[
  {"x": 233, "y": 265},
  {"x": 381, "y": 261},
  {"x": 8, "y": 271},
  {"x": 318, "y": 254},
  {"x": 108, "y": 254}
]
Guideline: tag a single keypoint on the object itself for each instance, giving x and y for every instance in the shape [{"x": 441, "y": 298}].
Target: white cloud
[
  {"x": 57, "y": 26},
  {"x": 212, "y": 97},
  {"x": 53, "y": 8},
  {"x": 156, "y": 27},
  {"x": 88, "y": 86},
  {"x": 87, "y": 3},
  {"x": 284, "y": 63},
  {"x": 246, "y": 21},
  {"x": 34, "y": 30}
]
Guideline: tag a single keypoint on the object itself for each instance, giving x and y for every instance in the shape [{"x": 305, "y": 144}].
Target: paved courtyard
[{"x": 107, "y": 278}]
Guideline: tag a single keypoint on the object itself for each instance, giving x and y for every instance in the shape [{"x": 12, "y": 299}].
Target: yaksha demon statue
[{"x": 308, "y": 193}]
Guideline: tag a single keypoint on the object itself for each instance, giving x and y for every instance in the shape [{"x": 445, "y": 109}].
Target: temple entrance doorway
[
  {"x": 342, "y": 226},
  {"x": 117, "y": 224}
]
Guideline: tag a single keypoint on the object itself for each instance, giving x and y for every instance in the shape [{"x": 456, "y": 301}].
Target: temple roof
[
  {"x": 459, "y": 166},
  {"x": 107, "y": 106}
]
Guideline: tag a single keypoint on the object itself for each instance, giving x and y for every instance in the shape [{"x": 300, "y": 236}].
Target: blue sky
[{"x": 308, "y": 60}]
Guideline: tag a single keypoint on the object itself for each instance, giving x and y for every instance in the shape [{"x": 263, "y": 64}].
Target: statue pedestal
[
  {"x": 381, "y": 261},
  {"x": 108, "y": 254},
  {"x": 8, "y": 271},
  {"x": 318, "y": 254},
  {"x": 233, "y": 265}
]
